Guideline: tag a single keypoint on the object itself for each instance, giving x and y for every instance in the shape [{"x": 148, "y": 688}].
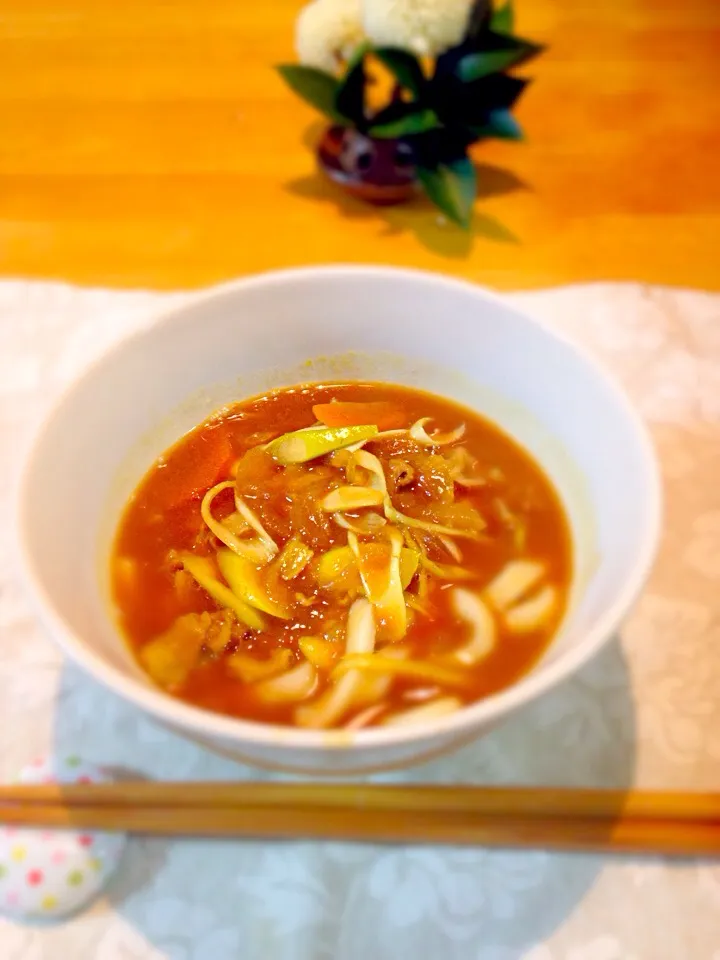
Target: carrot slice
[{"x": 382, "y": 413}]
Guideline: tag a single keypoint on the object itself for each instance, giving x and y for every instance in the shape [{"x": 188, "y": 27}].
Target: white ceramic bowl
[{"x": 334, "y": 323}]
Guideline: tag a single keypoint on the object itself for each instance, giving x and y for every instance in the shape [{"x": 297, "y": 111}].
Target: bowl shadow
[{"x": 197, "y": 899}]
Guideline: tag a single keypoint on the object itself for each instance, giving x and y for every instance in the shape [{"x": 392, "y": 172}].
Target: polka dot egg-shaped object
[{"x": 48, "y": 874}]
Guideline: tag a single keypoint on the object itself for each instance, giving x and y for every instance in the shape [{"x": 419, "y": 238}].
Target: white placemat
[{"x": 646, "y": 711}]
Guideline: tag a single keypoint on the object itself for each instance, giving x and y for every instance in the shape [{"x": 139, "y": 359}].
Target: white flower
[
  {"x": 426, "y": 27},
  {"x": 327, "y": 32}
]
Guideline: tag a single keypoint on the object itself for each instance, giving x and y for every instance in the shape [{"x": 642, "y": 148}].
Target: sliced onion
[
  {"x": 420, "y": 435},
  {"x": 390, "y": 606},
  {"x": 515, "y": 580},
  {"x": 369, "y": 462},
  {"x": 201, "y": 570},
  {"x": 255, "y": 550},
  {"x": 320, "y": 652},
  {"x": 297, "y": 684},
  {"x": 336, "y": 569},
  {"x": 354, "y": 544},
  {"x": 470, "y": 608},
  {"x": 389, "y": 435},
  {"x": 425, "y": 713},
  {"x": 384, "y": 435},
  {"x": 409, "y": 565},
  {"x": 246, "y": 513},
  {"x": 236, "y": 524},
  {"x": 247, "y": 583},
  {"x": 534, "y": 613},
  {"x": 335, "y": 702},
  {"x": 357, "y": 446},
  {"x": 459, "y": 460},
  {"x": 373, "y": 562},
  {"x": 383, "y": 585},
  {"x": 452, "y": 548},
  {"x": 367, "y": 524},
  {"x": 346, "y": 499},
  {"x": 217, "y": 528},
  {"x": 340, "y": 459},
  {"x": 294, "y": 558},
  {"x": 435, "y": 528}
]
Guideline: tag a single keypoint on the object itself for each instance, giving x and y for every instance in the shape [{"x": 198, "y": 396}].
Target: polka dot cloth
[{"x": 48, "y": 874}]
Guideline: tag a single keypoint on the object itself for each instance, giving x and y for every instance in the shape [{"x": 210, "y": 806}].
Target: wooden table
[{"x": 149, "y": 143}]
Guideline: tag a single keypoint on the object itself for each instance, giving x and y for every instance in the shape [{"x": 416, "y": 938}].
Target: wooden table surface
[{"x": 149, "y": 143}]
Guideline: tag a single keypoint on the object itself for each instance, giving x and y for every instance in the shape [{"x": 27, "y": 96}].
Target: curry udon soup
[{"x": 341, "y": 555}]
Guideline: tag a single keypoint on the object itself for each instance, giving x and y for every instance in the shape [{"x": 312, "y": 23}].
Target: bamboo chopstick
[
  {"x": 606, "y": 821},
  {"x": 625, "y": 836},
  {"x": 488, "y": 801}
]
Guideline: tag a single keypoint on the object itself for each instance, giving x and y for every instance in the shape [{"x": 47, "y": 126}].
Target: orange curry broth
[{"x": 163, "y": 516}]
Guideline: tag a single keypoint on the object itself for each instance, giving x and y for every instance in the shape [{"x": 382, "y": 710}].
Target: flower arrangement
[{"x": 449, "y": 62}]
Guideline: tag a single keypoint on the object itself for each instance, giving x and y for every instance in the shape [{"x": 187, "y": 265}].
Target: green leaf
[
  {"x": 350, "y": 96},
  {"x": 416, "y": 121},
  {"x": 316, "y": 87},
  {"x": 480, "y": 15},
  {"x": 452, "y": 187},
  {"x": 474, "y": 66},
  {"x": 502, "y": 125},
  {"x": 503, "y": 19},
  {"x": 404, "y": 67}
]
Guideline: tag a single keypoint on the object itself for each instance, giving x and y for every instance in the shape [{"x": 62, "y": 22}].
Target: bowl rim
[{"x": 203, "y": 723}]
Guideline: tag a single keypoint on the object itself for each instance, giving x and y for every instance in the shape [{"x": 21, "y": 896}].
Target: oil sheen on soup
[{"x": 341, "y": 555}]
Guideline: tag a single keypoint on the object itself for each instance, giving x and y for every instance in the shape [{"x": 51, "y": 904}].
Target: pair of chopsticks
[{"x": 552, "y": 819}]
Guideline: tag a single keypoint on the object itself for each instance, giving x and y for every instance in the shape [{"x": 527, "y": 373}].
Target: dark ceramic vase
[{"x": 381, "y": 172}]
